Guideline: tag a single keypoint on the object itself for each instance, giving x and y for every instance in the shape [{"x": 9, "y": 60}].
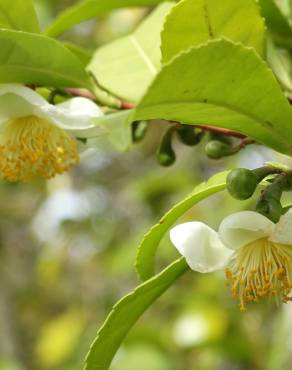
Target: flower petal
[
  {"x": 74, "y": 114},
  {"x": 283, "y": 230},
  {"x": 242, "y": 228},
  {"x": 19, "y": 101},
  {"x": 200, "y": 245}
]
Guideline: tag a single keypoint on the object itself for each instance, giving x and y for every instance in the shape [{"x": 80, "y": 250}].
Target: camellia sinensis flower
[
  {"x": 255, "y": 252},
  {"x": 35, "y": 137}
]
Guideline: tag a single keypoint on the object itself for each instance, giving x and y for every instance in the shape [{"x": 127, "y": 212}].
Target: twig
[
  {"x": 222, "y": 130},
  {"x": 245, "y": 142},
  {"x": 89, "y": 95},
  {"x": 219, "y": 130},
  {"x": 80, "y": 92},
  {"x": 127, "y": 105}
]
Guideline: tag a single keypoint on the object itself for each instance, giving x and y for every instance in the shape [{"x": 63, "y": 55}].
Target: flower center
[
  {"x": 32, "y": 147},
  {"x": 261, "y": 269}
]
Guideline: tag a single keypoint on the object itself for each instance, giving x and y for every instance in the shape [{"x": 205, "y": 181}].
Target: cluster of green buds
[
  {"x": 220, "y": 142},
  {"x": 188, "y": 135},
  {"x": 242, "y": 184}
]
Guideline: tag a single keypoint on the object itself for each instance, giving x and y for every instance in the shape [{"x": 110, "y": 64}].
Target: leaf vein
[{"x": 144, "y": 55}]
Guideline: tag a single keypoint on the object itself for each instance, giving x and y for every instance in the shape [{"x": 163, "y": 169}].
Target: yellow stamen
[
  {"x": 261, "y": 269},
  {"x": 32, "y": 147}
]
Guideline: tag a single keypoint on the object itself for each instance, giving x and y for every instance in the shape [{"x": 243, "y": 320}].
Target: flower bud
[
  {"x": 242, "y": 183},
  {"x": 166, "y": 155},
  {"x": 218, "y": 136},
  {"x": 139, "y": 129},
  {"x": 166, "y": 159},
  {"x": 216, "y": 149},
  {"x": 189, "y": 135}
]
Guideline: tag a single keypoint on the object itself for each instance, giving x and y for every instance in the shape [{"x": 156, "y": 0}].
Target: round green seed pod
[
  {"x": 241, "y": 183},
  {"x": 216, "y": 149}
]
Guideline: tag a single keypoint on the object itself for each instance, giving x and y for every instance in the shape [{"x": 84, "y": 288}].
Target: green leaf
[
  {"x": 127, "y": 66},
  {"x": 280, "y": 62},
  {"x": 285, "y": 7},
  {"x": 193, "y": 22},
  {"x": 225, "y": 85},
  {"x": 18, "y": 15},
  {"x": 88, "y": 9},
  {"x": 125, "y": 314},
  {"x": 36, "y": 59},
  {"x": 145, "y": 262},
  {"x": 84, "y": 55},
  {"x": 277, "y": 24},
  {"x": 114, "y": 127}
]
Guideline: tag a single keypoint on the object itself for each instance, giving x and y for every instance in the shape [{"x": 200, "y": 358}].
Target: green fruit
[
  {"x": 241, "y": 183},
  {"x": 216, "y": 149}
]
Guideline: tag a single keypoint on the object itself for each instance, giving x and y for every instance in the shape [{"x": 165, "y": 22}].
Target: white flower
[
  {"x": 34, "y": 135},
  {"x": 255, "y": 252}
]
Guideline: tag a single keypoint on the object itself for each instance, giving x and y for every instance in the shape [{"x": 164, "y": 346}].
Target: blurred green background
[{"x": 67, "y": 250}]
